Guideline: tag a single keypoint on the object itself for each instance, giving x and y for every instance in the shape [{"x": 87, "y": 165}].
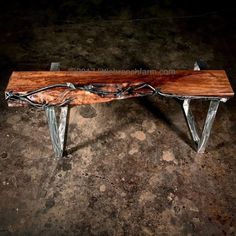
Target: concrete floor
[{"x": 130, "y": 168}]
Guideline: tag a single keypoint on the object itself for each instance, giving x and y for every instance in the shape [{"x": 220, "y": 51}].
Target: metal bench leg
[
  {"x": 52, "y": 124},
  {"x": 190, "y": 121},
  {"x": 57, "y": 135},
  {"x": 214, "y": 104},
  {"x": 200, "y": 142}
]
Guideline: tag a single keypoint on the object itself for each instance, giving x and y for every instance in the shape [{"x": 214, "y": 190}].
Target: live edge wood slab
[
  {"x": 179, "y": 83},
  {"x": 46, "y": 90}
]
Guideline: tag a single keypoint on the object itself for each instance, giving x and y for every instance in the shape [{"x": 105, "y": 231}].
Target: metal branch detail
[{"x": 103, "y": 90}]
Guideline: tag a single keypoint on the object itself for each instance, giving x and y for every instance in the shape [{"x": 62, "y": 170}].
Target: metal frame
[
  {"x": 57, "y": 134},
  {"x": 201, "y": 142}
]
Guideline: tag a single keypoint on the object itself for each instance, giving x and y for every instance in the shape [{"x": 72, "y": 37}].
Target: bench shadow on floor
[
  {"x": 149, "y": 106},
  {"x": 153, "y": 108}
]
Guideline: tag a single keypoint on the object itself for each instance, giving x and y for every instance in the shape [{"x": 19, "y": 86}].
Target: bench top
[{"x": 179, "y": 83}]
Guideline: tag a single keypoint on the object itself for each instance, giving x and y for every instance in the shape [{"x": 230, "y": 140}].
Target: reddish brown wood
[{"x": 206, "y": 83}]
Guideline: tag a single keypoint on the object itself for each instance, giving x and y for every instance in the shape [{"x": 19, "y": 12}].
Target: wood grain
[{"x": 206, "y": 83}]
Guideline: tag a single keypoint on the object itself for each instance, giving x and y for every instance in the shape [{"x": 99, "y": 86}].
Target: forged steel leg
[
  {"x": 55, "y": 66},
  {"x": 57, "y": 134},
  {"x": 52, "y": 124},
  {"x": 190, "y": 121},
  {"x": 214, "y": 104},
  {"x": 200, "y": 142},
  {"x": 189, "y": 116}
]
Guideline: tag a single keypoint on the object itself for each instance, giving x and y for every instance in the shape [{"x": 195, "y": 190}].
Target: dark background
[
  {"x": 212, "y": 23},
  {"x": 17, "y": 18}
]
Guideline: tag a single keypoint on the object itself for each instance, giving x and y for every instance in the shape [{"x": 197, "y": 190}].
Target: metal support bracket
[{"x": 57, "y": 134}]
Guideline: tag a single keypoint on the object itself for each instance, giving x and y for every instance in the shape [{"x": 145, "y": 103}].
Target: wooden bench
[{"x": 49, "y": 89}]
